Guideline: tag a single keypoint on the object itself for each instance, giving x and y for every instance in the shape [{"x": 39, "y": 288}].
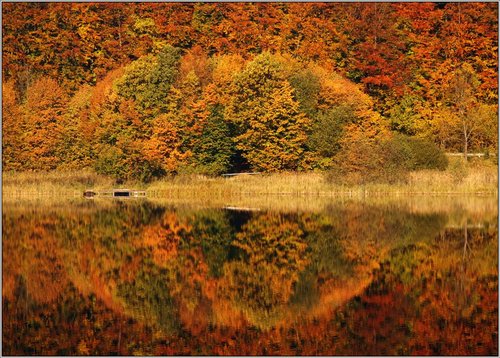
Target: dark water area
[{"x": 134, "y": 277}]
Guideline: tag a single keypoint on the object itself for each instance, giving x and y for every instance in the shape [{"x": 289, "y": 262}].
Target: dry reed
[{"x": 475, "y": 178}]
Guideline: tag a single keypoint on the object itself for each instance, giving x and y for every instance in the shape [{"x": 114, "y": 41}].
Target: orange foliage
[
  {"x": 45, "y": 103},
  {"x": 164, "y": 238},
  {"x": 103, "y": 89},
  {"x": 164, "y": 146},
  {"x": 11, "y": 127},
  {"x": 196, "y": 60}
]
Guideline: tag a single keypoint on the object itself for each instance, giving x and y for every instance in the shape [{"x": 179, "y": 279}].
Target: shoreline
[{"x": 479, "y": 180}]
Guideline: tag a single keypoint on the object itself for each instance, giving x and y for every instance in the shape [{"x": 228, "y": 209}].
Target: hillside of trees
[{"x": 142, "y": 90}]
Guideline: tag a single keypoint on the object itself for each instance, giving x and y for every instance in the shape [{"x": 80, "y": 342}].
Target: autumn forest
[
  {"x": 137, "y": 91},
  {"x": 249, "y": 178}
]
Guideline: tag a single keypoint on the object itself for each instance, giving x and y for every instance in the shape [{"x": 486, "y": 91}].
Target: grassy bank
[
  {"x": 54, "y": 183},
  {"x": 478, "y": 177}
]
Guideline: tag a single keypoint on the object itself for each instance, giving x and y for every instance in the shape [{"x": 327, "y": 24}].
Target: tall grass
[
  {"x": 460, "y": 178},
  {"x": 52, "y": 183},
  {"x": 479, "y": 177}
]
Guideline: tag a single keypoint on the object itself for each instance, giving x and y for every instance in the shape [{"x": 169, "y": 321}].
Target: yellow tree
[
  {"x": 275, "y": 139},
  {"x": 272, "y": 130},
  {"x": 461, "y": 97},
  {"x": 164, "y": 145},
  {"x": 176, "y": 131},
  {"x": 77, "y": 137}
]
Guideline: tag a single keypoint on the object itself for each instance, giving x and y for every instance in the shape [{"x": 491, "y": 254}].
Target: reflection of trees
[
  {"x": 261, "y": 281},
  {"x": 76, "y": 325},
  {"x": 168, "y": 287},
  {"x": 423, "y": 301},
  {"x": 198, "y": 277},
  {"x": 100, "y": 247},
  {"x": 214, "y": 233},
  {"x": 148, "y": 298},
  {"x": 32, "y": 256},
  {"x": 346, "y": 245},
  {"x": 167, "y": 276},
  {"x": 163, "y": 238},
  {"x": 61, "y": 268},
  {"x": 366, "y": 229}
]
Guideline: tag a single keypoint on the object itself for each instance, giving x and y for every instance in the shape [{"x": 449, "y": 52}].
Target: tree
[
  {"x": 164, "y": 145},
  {"x": 42, "y": 128},
  {"x": 461, "y": 96},
  {"x": 410, "y": 116},
  {"x": 148, "y": 80},
  {"x": 327, "y": 131},
  {"x": 11, "y": 127},
  {"x": 77, "y": 136},
  {"x": 441, "y": 39},
  {"x": 164, "y": 74},
  {"x": 486, "y": 134},
  {"x": 276, "y": 140},
  {"x": 137, "y": 83},
  {"x": 376, "y": 51},
  {"x": 224, "y": 70},
  {"x": 306, "y": 87},
  {"x": 272, "y": 130},
  {"x": 213, "y": 151},
  {"x": 196, "y": 60},
  {"x": 121, "y": 138}
]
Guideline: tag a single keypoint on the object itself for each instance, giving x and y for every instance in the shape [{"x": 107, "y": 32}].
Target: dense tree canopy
[{"x": 142, "y": 90}]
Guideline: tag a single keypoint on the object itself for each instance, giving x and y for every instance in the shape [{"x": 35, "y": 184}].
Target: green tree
[
  {"x": 148, "y": 80},
  {"x": 121, "y": 140},
  {"x": 327, "y": 130},
  {"x": 164, "y": 74},
  {"x": 306, "y": 87},
  {"x": 136, "y": 82},
  {"x": 175, "y": 133},
  {"x": 214, "y": 149}
]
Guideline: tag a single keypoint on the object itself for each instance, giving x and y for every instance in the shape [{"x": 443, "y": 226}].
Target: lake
[{"x": 406, "y": 276}]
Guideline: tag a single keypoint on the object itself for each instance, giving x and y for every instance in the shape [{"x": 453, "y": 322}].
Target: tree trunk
[{"x": 466, "y": 142}]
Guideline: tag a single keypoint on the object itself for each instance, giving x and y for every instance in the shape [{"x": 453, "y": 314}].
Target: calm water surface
[{"x": 354, "y": 278}]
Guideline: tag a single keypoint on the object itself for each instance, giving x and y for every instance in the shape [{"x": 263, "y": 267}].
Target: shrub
[
  {"x": 423, "y": 154},
  {"x": 122, "y": 166},
  {"x": 384, "y": 160},
  {"x": 363, "y": 160},
  {"x": 110, "y": 161}
]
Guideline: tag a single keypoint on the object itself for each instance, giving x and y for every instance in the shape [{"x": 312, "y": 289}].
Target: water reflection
[{"x": 354, "y": 278}]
